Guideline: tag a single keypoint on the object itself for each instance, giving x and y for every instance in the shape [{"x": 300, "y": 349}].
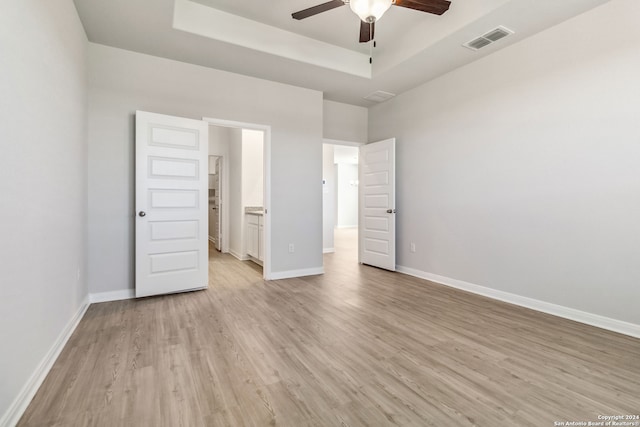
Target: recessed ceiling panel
[
  {"x": 412, "y": 47},
  {"x": 223, "y": 26}
]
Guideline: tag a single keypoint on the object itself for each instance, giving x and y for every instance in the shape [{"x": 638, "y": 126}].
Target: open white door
[
  {"x": 377, "y": 204},
  {"x": 171, "y": 204}
]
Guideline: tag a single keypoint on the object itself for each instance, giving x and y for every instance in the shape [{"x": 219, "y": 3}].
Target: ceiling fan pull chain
[{"x": 372, "y": 43}]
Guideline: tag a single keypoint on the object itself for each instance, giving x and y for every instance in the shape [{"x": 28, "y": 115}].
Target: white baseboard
[
  {"x": 596, "y": 320},
  {"x": 296, "y": 273},
  {"x": 256, "y": 260},
  {"x": 238, "y": 256},
  {"x": 112, "y": 296},
  {"x": 328, "y": 250},
  {"x": 21, "y": 402}
]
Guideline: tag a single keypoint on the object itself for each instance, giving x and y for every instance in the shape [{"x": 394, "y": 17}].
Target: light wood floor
[{"x": 357, "y": 346}]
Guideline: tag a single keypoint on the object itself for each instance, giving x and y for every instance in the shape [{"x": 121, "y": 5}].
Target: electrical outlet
[
  {"x": 412, "y": 247},
  {"x": 292, "y": 248}
]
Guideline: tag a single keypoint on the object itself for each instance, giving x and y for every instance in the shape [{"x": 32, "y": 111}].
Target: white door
[
  {"x": 171, "y": 204},
  {"x": 377, "y": 204}
]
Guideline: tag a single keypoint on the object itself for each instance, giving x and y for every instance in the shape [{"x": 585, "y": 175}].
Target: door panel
[
  {"x": 173, "y": 199},
  {"x": 171, "y": 204},
  {"x": 376, "y": 225},
  {"x": 173, "y": 168},
  {"x": 173, "y": 262},
  {"x": 173, "y": 230},
  {"x": 174, "y": 137}
]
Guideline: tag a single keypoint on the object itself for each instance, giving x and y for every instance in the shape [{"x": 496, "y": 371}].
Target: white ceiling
[{"x": 259, "y": 38}]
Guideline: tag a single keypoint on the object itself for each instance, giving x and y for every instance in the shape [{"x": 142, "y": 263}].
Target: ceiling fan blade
[
  {"x": 437, "y": 7},
  {"x": 317, "y": 9},
  {"x": 366, "y": 31}
]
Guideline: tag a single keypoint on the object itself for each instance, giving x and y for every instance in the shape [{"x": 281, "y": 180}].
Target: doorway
[
  {"x": 340, "y": 198},
  {"x": 242, "y": 174}
]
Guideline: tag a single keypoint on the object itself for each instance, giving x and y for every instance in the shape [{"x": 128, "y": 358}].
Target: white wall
[
  {"x": 520, "y": 172},
  {"x": 329, "y": 198},
  {"x": 347, "y": 195},
  {"x": 246, "y": 183},
  {"x": 252, "y": 167},
  {"x": 121, "y": 82},
  {"x": 43, "y": 187},
  {"x": 236, "y": 209},
  {"x": 344, "y": 122},
  {"x": 219, "y": 140}
]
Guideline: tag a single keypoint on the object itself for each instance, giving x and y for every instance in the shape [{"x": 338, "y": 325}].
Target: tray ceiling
[{"x": 260, "y": 39}]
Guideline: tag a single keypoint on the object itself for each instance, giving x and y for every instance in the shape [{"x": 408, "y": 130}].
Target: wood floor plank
[{"x": 357, "y": 346}]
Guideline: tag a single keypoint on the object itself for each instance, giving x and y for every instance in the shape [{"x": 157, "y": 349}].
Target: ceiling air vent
[
  {"x": 478, "y": 43},
  {"x": 497, "y": 34},
  {"x": 379, "y": 96},
  {"x": 488, "y": 38}
]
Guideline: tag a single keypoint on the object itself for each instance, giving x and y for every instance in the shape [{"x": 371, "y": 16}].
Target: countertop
[{"x": 254, "y": 210}]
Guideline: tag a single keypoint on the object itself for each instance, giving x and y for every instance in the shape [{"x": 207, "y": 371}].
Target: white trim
[
  {"x": 235, "y": 124},
  {"x": 347, "y": 226},
  {"x": 342, "y": 142},
  {"x": 328, "y": 250},
  {"x": 596, "y": 320},
  {"x": 22, "y": 400},
  {"x": 266, "y": 268},
  {"x": 112, "y": 296},
  {"x": 255, "y": 260},
  {"x": 238, "y": 256},
  {"x": 296, "y": 273}
]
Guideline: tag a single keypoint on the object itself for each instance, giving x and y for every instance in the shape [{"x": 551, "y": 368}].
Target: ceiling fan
[{"x": 370, "y": 11}]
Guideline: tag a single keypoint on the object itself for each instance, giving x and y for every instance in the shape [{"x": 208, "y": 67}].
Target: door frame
[{"x": 266, "y": 267}]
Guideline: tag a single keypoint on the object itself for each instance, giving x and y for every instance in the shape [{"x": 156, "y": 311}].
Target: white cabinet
[
  {"x": 255, "y": 236},
  {"x": 261, "y": 238},
  {"x": 252, "y": 235}
]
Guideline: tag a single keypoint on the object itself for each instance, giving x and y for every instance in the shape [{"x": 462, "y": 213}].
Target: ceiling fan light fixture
[{"x": 370, "y": 10}]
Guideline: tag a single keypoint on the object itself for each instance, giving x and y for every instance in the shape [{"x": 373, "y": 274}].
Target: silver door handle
[{"x": 142, "y": 213}]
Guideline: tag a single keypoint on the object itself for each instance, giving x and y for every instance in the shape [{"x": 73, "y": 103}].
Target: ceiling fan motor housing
[{"x": 369, "y": 10}]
